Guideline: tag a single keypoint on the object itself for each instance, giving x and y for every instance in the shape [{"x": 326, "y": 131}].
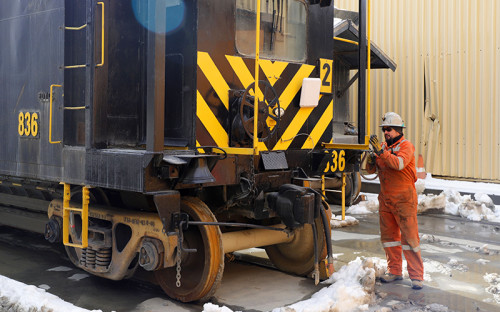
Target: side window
[{"x": 283, "y": 29}]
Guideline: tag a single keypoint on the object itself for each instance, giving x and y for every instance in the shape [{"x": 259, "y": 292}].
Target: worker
[{"x": 395, "y": 161}]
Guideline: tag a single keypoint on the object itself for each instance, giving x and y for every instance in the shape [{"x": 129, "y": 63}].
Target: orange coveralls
[{"x": 398, "y": 207}]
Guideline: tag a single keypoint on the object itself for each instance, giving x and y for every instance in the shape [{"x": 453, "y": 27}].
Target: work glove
[
  {"x": 374, "y": 142},
  {"x": 371, "y": 159}
]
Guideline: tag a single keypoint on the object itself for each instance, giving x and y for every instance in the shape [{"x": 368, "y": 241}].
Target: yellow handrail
[
  {"x": 84, "y": 214},
  {"x": 75, "y": 28},
  {"x": 343, "y": 196},
  {"x": 50, "y": 114},
  {"x": 75, "y": 107},
  {"x": 367, "y": 137},
  {"x": 257, "y": 91},
  {"x": 346, "y": 40},
  {"x": 102, "y": 35}
]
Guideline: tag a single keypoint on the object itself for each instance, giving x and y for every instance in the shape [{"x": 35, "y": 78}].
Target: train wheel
[
  {"x": 297, "y": 256},
  {"x": 201, "y": 271}
]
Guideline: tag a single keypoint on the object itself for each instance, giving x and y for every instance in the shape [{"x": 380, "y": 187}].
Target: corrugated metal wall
[{"x": 447, "y": 83}]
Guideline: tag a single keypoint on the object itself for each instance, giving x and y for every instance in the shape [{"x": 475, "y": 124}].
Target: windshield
[{"x": 283, "y": 29}]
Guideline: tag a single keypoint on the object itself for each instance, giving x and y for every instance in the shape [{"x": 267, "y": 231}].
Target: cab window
[{"x": 282, "y": 29}]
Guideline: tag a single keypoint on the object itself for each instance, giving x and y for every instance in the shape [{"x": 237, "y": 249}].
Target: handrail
[
  {"x": 367, "y": 137},
  {"x": 50, "y": 113},
  {"x": 102, "y": 35},
  {"x": 346, "y": 40},
  {"x": 256, "y": 98},
  {"x": 76, "y": 28},
  {"x": 84, "y": 215}
]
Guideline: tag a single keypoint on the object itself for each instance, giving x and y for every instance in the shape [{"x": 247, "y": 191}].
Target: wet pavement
[
  {"x": 458, "y": 252},
  {"x": 452, "y": 247}
]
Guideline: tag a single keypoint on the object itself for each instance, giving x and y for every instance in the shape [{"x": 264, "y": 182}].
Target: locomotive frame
[{"x": 148, "y": 146}]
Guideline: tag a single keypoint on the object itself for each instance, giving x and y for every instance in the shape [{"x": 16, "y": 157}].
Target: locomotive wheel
[
  {"x": 201, "y": 271},
  {"x": 297, "y": 256}
]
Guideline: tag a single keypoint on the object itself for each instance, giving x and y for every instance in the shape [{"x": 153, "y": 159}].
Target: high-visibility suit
[{"x": 398, "y": 207}]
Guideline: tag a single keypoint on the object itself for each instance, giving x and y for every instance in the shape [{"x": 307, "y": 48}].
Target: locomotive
[{"x": 157, "y": 135}]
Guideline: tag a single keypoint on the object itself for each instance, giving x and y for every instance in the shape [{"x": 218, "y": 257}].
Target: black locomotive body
[{"x": 132, "y": 125}]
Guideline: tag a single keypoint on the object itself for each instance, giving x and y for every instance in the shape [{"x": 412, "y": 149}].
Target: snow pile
[
  {"x": 337, "y": 222},
  {"x": 432, "y": 266},
  {"x": 369, "y": 205},
  {"x": 210, "y": 307},
  {"x": 352, "y": 289},
  {"x": 16, "y": 296},
  {"x": 494, "y": 280},
  {"x": 456, "y": 265},
  {"x": 451, "y": 202}
]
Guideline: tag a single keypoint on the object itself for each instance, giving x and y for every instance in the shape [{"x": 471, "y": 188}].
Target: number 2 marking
[{"x": 325, "y": 74}]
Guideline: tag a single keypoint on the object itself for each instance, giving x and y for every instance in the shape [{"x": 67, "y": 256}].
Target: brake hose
[{"x": 328, "y": 240}]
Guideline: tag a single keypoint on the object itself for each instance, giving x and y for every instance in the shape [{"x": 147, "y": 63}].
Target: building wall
[{"x": 447, "y": 83}]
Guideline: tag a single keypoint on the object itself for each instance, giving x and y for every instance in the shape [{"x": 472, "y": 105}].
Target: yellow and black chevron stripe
[{"x": 300, "y": 128}]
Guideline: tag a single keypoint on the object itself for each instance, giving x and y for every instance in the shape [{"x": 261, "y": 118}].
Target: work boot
[
  {"x": 416, "y": 284},
  {"x": 389, "y": 277}
]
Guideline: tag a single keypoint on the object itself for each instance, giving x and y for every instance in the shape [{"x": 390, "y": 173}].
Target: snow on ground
[
  {"x": 352, "y": 288},
  {"x": 475, "y": 208},
  {"x": 494, "y": 280},
  {"x": 337, "y": 222},
  {"x": 18, "y": 297}
]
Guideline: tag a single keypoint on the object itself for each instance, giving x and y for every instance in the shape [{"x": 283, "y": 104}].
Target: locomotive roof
[{"x": 347, "y": 29}]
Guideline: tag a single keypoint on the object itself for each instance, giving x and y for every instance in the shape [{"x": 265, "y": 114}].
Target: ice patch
[
  {"x": 78, "y": 277},
  {"x": 434, "y": 307},
  {"x": 482, "y": 261},
  {"x": 341, "y": 235},
  {"x": 438, "y": 250},
  {"x": 60, "y": 269}
]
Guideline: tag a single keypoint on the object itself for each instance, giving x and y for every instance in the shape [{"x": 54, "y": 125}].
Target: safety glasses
[{"x": 386, "y": 129}]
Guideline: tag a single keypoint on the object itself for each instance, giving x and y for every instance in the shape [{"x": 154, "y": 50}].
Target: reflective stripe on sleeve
[
  {"x": 401, "y": 163},
  {"x": 391, "y": 244}
]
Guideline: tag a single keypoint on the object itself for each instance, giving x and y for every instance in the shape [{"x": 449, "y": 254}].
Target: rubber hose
[
  {"x": 315, "y": 239},
  {"x": 328, "y": 235}
]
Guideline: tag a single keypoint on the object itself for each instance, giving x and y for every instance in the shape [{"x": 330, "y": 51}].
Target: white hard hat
[{"x": 392, "y": 119}]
